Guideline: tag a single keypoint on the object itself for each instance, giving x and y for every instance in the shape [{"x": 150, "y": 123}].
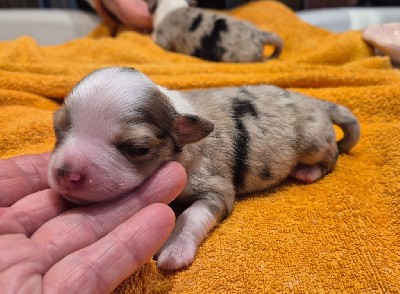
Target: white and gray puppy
[
  {"x": 117, "y": 128},
  {"x": 208, "y": 35}
]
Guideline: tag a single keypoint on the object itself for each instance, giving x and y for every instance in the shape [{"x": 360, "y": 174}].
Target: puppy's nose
[{"x": 70, "y": 180}]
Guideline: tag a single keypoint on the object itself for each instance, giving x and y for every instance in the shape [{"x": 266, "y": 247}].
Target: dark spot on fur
[
  {"x": 247, "y": 94},
  {"x": 159, "y": 112},
  {"x": 62, "y": 124},
  {"x": 311, "y": 118},
  {"x": 152, "y": 5},
  {"x": 162, "y": 135},
  {"x": 312, "y": 148},
  {"x": 241, "y": 152},
  {"x": 241, "y": 108},
  {"x": 329, "y": 139},
  {"x": 196, "y": 22},
  {"x": 210, "y": 45},
  {"x": 265, "y": 174},
  {"x": 177, "y": 148}
]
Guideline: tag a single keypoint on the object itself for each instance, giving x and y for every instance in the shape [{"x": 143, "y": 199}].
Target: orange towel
[{"x": 338, "y": 235}]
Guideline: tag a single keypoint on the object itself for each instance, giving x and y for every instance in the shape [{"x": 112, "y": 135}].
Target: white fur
[
  {"x": 164, "y": 7},
  {"x": 94, "y": 110},
  {"x": 190, "y": 230},
  {"x": 182, "y": 105}
]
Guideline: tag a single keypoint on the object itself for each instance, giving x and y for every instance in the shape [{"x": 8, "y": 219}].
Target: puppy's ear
[{"x": 191, "y": 128}]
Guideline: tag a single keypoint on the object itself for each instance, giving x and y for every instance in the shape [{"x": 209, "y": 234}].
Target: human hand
[
  {"x": 47, "y": 245},
  {"x": 132, "y": 13}
]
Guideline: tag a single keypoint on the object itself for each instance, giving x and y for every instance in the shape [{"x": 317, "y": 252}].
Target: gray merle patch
[{"x": 210, "y": 45}]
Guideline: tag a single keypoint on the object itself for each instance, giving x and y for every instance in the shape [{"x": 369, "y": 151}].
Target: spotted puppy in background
[
  {"x": 117, "y": 127},
  {"x": 208, "y": 35}
]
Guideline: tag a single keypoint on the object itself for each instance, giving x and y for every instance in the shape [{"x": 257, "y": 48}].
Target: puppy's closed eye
[{"x": 129, "y": 149}]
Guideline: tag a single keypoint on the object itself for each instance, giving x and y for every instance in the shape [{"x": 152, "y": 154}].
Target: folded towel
[{"x": 340, "y": 234}]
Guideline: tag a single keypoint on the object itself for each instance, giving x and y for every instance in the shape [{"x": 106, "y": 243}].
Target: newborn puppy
[
  {"x": 208, "y": 35},
  {"x": 117, "y": 128}
]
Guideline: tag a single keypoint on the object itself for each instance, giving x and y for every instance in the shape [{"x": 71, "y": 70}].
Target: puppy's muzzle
[{"x": 69, "y": 180}]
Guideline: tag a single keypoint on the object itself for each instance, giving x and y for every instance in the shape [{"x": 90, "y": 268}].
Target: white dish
[{"x": 386, "y": 39}]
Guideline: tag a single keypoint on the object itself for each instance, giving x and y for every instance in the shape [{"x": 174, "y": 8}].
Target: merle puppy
[
  {"x": 117, "y": 127},
  {"x": 208, "y": 35}
]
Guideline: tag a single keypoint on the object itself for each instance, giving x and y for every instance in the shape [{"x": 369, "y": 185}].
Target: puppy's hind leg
[
  {"x": 191, "y": 228},
  {"x": 319, "y": 151},
  {"x": 308, "y": 172}
]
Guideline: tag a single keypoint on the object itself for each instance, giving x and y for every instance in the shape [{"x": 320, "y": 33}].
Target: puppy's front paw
[{"x": 176, "y": 255}]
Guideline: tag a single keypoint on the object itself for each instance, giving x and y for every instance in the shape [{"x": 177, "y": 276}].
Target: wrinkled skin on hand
[{"x": 47, "y": 245}]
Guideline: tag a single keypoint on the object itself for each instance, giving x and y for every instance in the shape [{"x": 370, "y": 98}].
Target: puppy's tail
[
  {"x": 346, "y": 120},
  {"x": 274, "y": 40}
]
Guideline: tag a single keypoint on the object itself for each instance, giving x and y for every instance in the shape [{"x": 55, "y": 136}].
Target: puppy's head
[{"x": 114, "y": 130}]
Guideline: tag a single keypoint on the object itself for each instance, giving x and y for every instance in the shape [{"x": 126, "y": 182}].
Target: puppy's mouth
[
  {"x": 81, "y": 200},
  {"x": 95, "y": 194},
  {"x": 77, "y": 200},
  {"x": 92, "y": 191}
]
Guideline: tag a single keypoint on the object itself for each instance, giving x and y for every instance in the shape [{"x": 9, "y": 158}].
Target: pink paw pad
[{"x": 307, "y": 174}]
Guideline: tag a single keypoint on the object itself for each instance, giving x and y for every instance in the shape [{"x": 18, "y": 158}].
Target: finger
[
  {"x": 21, "y": 176},
  {"x": 101, "y": 267},
  {"x": 20, "y": 261},
  {"x": 31, "y": 212},
  {"x": 80, "y": 227},
  {"x": 134, "y": 14}
]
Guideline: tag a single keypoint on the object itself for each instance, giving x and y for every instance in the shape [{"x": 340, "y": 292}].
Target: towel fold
[{"x": 340, "y": 234}]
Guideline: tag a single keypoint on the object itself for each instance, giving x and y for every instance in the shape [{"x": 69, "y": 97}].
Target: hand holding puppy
[{"x": 49, "y": 246}]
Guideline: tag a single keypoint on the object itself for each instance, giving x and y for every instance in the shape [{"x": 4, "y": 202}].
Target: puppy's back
[{"x": 263, "y": 132}]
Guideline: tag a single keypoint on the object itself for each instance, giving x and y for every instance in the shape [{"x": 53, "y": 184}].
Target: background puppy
[
  {"x": 208, "y": 35},
  {"x": 117, "y": 127}
]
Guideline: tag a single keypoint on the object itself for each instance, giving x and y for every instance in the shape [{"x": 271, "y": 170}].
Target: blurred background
[
  {"x": 294, "y": 4},
  {"x": 74, "y": 4},
  {"x": 52, "y": 22}
]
